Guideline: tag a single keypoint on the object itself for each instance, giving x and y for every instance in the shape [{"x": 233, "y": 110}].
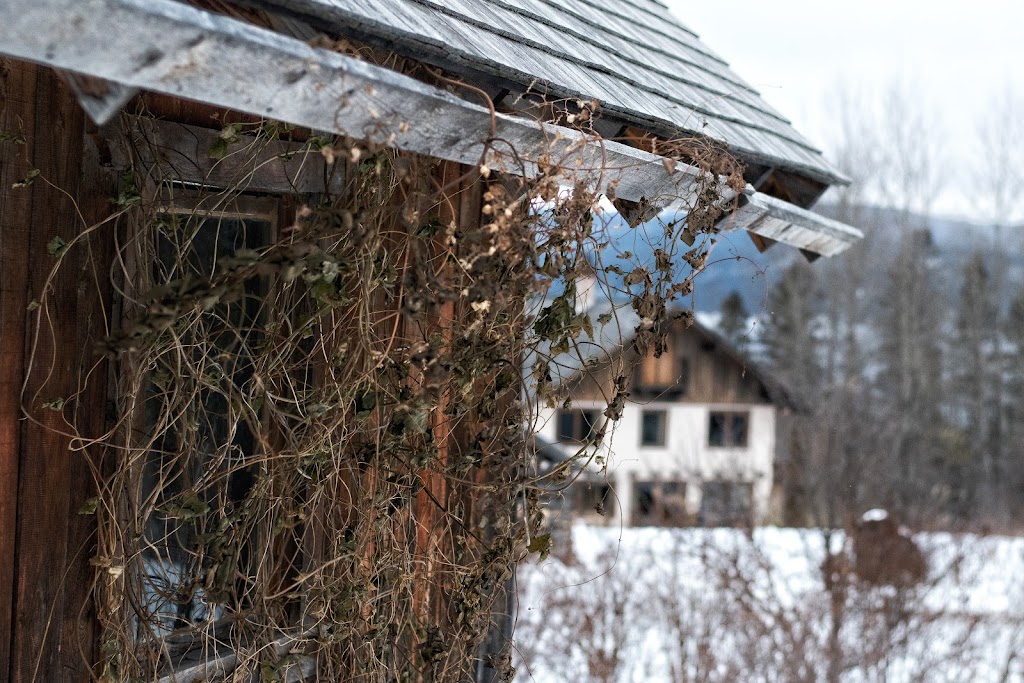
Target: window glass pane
[
  {"x": 652, "y": 428},
  {"x": 672, "y": 503},
  {"x": 194, "y": 437},
  {"x": 587, "y": 423},
  {"x": 716, "y": 429},
  {"x": 590, "y": 497},
  {"x": 712, "y": 503},
  {"x": 739, "y": 430},
  {"x": 566, "y": 426},
  {"x": 643, "y": 499}
]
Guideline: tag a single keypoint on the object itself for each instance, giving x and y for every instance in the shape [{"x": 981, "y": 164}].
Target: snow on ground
[{"x": 654, "y": 605}]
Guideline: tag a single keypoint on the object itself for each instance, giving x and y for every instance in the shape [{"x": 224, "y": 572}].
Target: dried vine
[{"x": 320, "y": 456}]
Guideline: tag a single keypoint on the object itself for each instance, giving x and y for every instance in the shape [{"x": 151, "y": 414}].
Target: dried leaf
[
  {"x": 55, "y": 404},
  {"x": 56, "y": 246},
  {"x": 540, "y": 544},
  {"x": 29, "y": 178}
]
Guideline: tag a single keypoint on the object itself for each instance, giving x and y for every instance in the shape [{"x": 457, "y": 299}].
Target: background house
[{"x": 696, "y": 443}]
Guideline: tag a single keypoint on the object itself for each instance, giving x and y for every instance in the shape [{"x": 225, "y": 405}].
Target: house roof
[
  {"x": 644, "y": 66},
  {"x": 632, "y": 56}
]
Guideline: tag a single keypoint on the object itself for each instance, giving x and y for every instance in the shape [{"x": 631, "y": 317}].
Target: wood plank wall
[
  {"x": 714, "y": 376},
  {"x": 48, "y": 630},
  {"x": 46, "y": 626}
]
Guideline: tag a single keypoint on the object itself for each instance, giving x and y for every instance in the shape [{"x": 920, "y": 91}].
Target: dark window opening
[
  {"x": 728, "y": 430},
  {"x": 726, "y": 503},
  {"x": 653, "y": 427},
  {"x": 592, "y": 497},
  {"x": 576, "y": 426},
  {"x": 659, "y": 503},
  {"x": 196, "y": 474}
]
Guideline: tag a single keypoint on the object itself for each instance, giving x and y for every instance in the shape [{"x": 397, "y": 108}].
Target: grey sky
[{"x": 959, "y": 56}]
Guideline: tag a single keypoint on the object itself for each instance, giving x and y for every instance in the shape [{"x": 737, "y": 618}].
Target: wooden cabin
[{"x": 235, "y": 238}]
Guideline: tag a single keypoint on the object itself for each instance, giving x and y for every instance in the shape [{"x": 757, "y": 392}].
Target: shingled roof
[
  {"x": 643, "y": 65},
  {"x": 650, "y": 75}
]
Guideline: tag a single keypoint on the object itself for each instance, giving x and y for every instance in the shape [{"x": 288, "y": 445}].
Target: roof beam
[
  {"x": 781, "y": 221},
  {"x": 168, "y": 47}
]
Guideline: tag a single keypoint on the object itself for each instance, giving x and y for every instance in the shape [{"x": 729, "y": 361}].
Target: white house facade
[{"x": 662, "y": 456}]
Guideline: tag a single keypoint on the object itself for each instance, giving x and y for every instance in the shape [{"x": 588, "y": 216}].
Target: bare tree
[{"x": 998, "y": 189}]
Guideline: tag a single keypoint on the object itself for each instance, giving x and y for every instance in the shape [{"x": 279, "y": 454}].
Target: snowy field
[{"x": 717, "y": 605}]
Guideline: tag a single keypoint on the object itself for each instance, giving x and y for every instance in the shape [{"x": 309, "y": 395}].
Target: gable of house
[{"x": 696, "y": 366}]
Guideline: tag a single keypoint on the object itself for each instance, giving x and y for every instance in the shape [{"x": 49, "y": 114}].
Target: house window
[
  {"x": 726, "y": 503},
  {"x": 659, "y": 503},
  {"x": 653, "y": 427},
  {"x": 590, "y": 497},
  {"x": 576, "y": 426},
  {"x": 661, "y": 375},
  {"x": 728, "y": 429},
  {"x": 191, "y": 438}
]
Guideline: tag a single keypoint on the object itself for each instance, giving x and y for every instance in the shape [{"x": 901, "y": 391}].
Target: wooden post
[
  {"x": 51, "y": 634},
  {"x": 17, "y": 104}
]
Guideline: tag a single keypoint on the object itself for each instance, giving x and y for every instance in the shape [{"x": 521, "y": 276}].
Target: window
[
  {"x": 658, "y": 371},
  {"x": 653, "y": 427},
  {"x": 728, "y": 430},
  {"x": 590, "y": 497},
  {"x": 659, "y": 503},
  {"x": 189, "y": 427},
  {"x": 726, "y": 503},
  {"x": 576, "y": 426}
]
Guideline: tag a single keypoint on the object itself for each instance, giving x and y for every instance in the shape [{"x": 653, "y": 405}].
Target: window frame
[
  {"x": 729, "y": 436},
  {"x": 662, "y": 438},
  {"x": 598, "y": 493},
  {"x": 667, "y": 508},
  {"x": 728, "y": 513},
  {"x": 581, "y": 429},
  {"x": 198, "y": 203}
]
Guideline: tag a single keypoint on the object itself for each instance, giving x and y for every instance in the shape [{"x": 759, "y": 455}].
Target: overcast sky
[{"x": 957, "y": 55}]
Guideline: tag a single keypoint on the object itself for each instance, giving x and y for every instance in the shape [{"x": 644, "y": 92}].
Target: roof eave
[{"x": 169, "y": 47}]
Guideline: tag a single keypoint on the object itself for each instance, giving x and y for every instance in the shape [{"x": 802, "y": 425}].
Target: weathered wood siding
[
  {"x": 46, "y": 627},
  {"x": 706, "y": 371}
]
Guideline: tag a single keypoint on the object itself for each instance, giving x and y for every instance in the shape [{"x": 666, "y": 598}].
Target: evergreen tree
[
  {"x": 734, "y": 325},
  {"x": 909, "y": 383},
  {"x": 789, "y": 333},
  {"x": 1013, "y": 407},
  {"x": 972, "y": 380}
]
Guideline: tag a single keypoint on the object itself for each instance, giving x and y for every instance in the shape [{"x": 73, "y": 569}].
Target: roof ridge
[{"x": 794, "y": 138}]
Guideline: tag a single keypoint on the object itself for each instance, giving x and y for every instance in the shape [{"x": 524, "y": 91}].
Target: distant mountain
[
  {"x": 735, "y": 263},
  {"x": 752, "y": 274}
]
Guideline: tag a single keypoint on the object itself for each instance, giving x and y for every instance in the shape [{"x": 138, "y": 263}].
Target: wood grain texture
[
  {"x": 714, "y": 374},
  {"x": 183, "y": 152},
  {"x": 17, "y": 112},
  {"x": 51, "y": 572}
]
